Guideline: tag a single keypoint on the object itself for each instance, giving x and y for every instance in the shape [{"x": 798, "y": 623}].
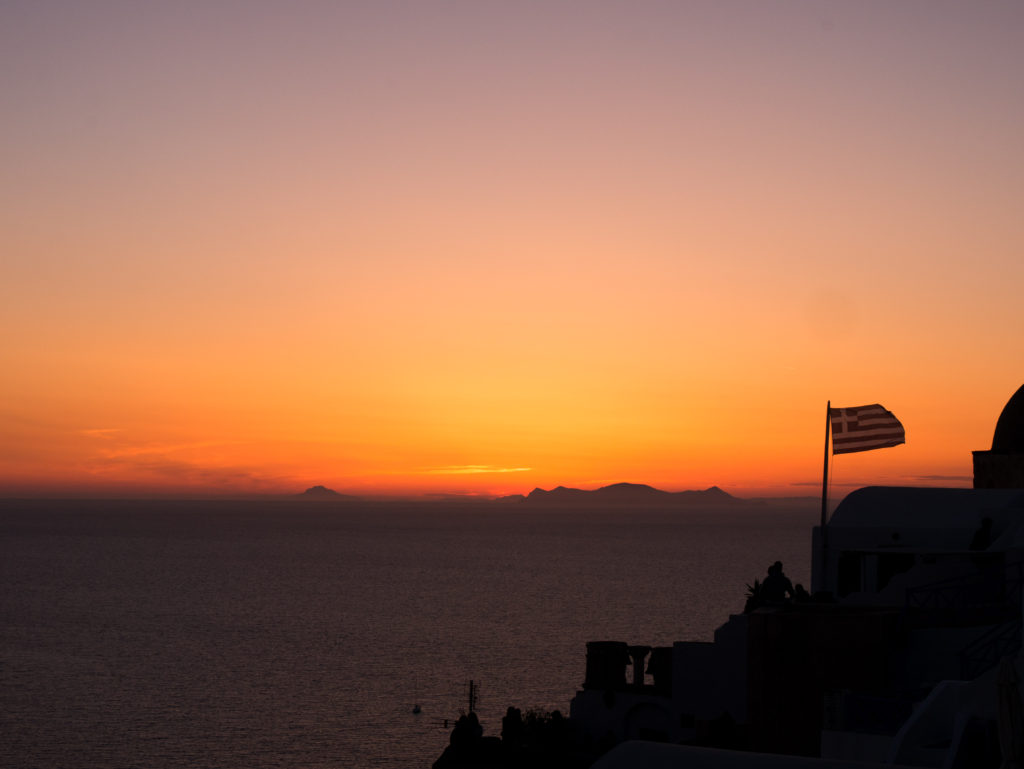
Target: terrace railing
[
  {"x": 991, "y": 594},
  {"x": 984, "y": 652}
]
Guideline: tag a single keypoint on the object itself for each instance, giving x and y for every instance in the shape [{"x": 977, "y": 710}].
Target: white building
[{"x": 895, "y": 660}]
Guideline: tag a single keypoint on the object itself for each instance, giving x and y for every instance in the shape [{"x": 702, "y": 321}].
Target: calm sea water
[{"x": 228, "y": 634}]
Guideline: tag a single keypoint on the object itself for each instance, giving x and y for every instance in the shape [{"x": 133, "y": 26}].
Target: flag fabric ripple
[{"x": 863, "y": 428}]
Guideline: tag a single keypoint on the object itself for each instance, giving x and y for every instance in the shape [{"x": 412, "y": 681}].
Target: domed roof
[{"x": 1009, "y": 435}]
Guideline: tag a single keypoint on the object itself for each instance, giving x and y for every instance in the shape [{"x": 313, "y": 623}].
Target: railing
[
  {"x": 984, "y": 652},
  {"x": 990, "y": 594}
]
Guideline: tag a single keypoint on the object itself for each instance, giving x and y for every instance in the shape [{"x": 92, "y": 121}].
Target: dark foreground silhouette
[{"x": 534, "y": 740}]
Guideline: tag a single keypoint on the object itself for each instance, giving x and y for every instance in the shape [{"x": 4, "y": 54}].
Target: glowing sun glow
[{"x": 398, "y": 251}]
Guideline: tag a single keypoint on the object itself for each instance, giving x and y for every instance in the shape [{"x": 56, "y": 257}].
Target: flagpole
[{"x": 824, "y": 498}]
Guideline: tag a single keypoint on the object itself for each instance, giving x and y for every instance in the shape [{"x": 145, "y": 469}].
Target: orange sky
[{"x": 476, "y": 248}]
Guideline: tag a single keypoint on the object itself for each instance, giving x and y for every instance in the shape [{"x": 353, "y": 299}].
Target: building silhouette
[{"x": 1002, "y": 466}]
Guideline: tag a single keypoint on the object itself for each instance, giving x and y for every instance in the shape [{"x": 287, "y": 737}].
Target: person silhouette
[{"x": 776, "y": 585}]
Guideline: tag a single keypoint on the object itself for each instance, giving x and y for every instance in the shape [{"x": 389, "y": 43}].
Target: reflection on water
[{"x": 171, "y": 634}]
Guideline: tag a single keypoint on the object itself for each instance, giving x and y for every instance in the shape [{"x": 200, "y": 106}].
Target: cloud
[
  {"x": 101, "y": 432},
  {"x": 909, "y": 478},
  {"x": 830, "y": 483},
  {"x": 171, "y": 464},
  {"x": 160, "y": 449},
  {"x": 159, "y": 468},
  {"x": 472, "y": 470}
]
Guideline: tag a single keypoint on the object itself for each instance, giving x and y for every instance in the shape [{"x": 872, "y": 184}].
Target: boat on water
[{"x": 906, "y": 651}]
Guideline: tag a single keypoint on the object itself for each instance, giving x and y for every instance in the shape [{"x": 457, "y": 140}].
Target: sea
[{"x": 302, "y": 634}]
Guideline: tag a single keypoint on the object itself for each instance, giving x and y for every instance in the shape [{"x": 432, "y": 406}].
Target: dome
[{"x": 1009, "y": 435}]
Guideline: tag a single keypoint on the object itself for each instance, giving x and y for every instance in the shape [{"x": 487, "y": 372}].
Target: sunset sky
[{"x": 478, "y": 247}]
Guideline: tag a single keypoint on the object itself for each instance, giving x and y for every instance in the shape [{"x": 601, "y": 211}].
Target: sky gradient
[{"x": 478, "y": 247}]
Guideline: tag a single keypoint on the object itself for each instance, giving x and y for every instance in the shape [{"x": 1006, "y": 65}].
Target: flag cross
[{"x": 862, "y": 428}]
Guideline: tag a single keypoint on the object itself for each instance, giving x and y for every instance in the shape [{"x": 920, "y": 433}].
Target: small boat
[{"x": 416, "y": 708}]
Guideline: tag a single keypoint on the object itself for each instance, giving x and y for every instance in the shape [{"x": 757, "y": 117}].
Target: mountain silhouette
[
  {"x": 513, "y": 498},
  {"x": 322, "y": 492},
  {"x": 618, "y": 494}
]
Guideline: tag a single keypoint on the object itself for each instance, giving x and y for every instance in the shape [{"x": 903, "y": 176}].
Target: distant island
[
  {"x": 319, "y": 493},
  {"x": 618, "y": 494},
  {"x": 614, "y": 496}
]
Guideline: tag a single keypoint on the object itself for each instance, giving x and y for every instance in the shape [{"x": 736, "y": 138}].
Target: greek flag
[{"x": 863, "y": 428}]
